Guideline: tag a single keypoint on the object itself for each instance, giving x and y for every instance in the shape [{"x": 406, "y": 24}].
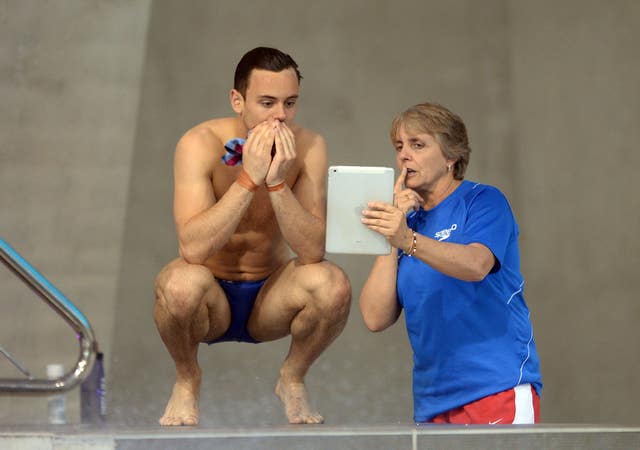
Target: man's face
[{"x": 270, "y": 95}]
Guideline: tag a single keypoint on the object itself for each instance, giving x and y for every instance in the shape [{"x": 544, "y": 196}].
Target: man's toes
[
  {"x": 190, "y": 421},
  {"x": 296, "y": 420},
  {"x": 174, "y": 421},
  {"x": 178, "y": 421},
  {"x": 165, "y": 421},
  {"x": 314, "y": 418}
]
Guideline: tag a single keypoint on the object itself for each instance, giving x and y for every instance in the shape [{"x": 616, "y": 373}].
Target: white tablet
[{"x": 350, "y": 188}]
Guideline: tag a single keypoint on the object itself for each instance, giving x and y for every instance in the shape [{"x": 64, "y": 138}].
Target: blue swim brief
[{"x": 241, "y": 296}]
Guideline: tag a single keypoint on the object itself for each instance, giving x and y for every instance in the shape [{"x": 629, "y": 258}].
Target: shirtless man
[{"x": 237, "y": 223}]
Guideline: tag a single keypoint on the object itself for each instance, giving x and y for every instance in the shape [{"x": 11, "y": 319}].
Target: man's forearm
[
  {"x": 304, "y": 232},
  {"x": 210, "y": 230}
]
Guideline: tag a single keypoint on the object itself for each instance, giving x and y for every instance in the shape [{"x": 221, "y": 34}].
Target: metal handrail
[{"x": 68, "y": 311}]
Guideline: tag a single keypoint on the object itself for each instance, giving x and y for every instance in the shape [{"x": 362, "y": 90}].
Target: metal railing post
[{"x": 68, "y": 311}]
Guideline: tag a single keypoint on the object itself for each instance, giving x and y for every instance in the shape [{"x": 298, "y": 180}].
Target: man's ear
[{"x": 237, "y": 101}]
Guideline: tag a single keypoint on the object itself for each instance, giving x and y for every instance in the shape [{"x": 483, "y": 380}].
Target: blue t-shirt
[{"x": 469, "y": 339}]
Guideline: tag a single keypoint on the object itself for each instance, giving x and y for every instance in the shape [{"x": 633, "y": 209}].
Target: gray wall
[
  {"x": 69, "y": 91},
  {"x": 576, "y": 97},
  {"x": 98, "y": 94}
]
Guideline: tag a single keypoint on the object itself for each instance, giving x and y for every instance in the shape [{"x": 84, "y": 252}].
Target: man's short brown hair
[{"x": 265, "y": 58}]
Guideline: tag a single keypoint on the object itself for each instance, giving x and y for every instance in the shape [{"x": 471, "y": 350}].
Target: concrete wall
[
  {"x": 69, "y": 92},
  {"x": 550, "y": 96},
  {"x": 576, "y": 99}
]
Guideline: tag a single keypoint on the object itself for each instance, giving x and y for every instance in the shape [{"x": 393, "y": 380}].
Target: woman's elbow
[
  {"x": 476, "y": 276},
  {"x": 376, "y": 323},
  {"x": 480, "y": 271},
  {"x": 481, "y": 264},
  {"x": 376, "y": 327}
]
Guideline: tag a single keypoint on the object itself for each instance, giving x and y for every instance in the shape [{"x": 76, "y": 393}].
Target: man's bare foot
[
  {"x": 296, "y": 403},
  {"x": 182, "y": 408}
]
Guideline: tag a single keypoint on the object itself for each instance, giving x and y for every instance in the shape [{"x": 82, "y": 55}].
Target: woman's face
[{"x": 422, "y": 156}]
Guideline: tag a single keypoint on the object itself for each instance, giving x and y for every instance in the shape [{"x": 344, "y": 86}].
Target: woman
[{"x": 456, "y": 274}]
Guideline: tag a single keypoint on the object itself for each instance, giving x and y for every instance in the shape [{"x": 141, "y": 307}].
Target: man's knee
[
  {"x": 181, "y": 291},
  {"x": 335, "y": 291}
]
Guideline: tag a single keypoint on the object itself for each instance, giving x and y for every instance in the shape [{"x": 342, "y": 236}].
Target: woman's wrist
[{"x": 413, "y": 244}]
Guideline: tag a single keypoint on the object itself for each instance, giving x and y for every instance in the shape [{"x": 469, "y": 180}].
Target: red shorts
[{"x": 518, "y": 405}]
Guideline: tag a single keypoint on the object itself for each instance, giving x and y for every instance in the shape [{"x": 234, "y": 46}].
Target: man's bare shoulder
[
  {"x": 209, "y": 133},
  {"x": 307, "y": 139},
  {"x": 205, "y": 141}
]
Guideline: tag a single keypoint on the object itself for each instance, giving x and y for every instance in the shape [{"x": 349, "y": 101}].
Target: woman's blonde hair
[{"x": 446, "y": 127}]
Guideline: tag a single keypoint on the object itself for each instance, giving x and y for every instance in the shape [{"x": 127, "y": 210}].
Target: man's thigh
[
  {"x": 192, "y": 286},
  {"x": 286, "y": 292}
]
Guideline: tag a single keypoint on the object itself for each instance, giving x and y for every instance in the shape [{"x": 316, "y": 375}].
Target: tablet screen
[{"x": 350, "y": 188}]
